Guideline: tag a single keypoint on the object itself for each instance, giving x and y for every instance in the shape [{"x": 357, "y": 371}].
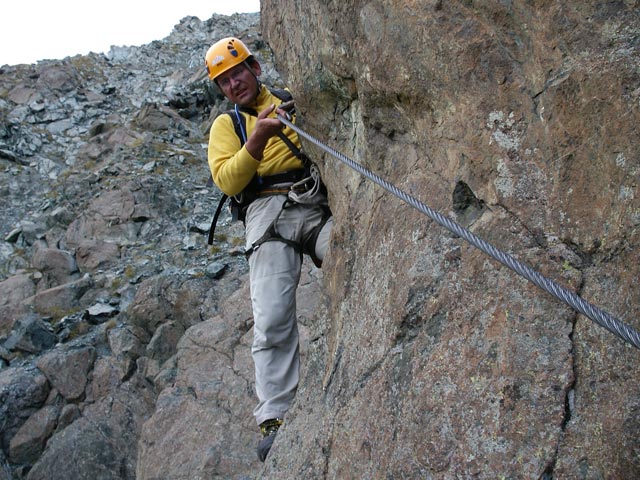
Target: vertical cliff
[{"x": 519, "y": 120}]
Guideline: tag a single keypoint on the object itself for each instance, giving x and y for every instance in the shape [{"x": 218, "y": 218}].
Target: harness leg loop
[{"x": 272, "y": 235}]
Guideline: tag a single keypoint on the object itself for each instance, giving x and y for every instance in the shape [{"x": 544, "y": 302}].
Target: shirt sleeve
[{"x": 232, "y": 166}]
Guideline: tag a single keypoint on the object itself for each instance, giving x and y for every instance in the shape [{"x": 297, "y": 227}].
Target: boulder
[
  {"x": 207, "y": 397},
  {"x": 104, "y": 439},
  {"x": 14, "y": 293},
  {"x": 67, "y": 369},
  {"x": 128, "y": 341},
  {"x": 106, "y": 377},
  {"x": 62, "y": 78},
  {"x": 96, "y": 255},
  {"x": 157, "y": 117},
  {"x": 31, "y": 335},
  {"x": 29, "y": 441},
  {"x": 60, "y": 300},
  {"x": 57, "y": 266},
  {"x": 164, "y": 341},
  {"x": 23, "y": 391}
]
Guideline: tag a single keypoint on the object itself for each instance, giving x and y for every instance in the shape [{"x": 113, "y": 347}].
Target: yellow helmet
[{"x": 225, "y": 54}]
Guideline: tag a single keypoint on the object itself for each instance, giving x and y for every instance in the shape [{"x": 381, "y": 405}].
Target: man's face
[{"x": 239, "y": 84}]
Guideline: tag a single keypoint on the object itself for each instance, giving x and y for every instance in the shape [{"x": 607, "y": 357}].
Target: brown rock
[
  {"x": 103, "y": 439},
  {"x": 128, "y": 341},
  {"x": 57, "y": 266},
  {"x": 67, "y": 369},
  {"x": 61, "y": 77},
  {"x": 29, "y": 442},
  {"x": 157, "y": 117},
  {"x": 96, "y": 255},
  {"x": 118, "y": 216},
  {"x": 59, "y": 301},
  {"x": 106, "y": 376},
  {"x": 185, "y": 300},
  {"x": 13, "y": 293},
  {"x": 164, "y": 341},
  {"x": 106, "y": 217},
  {"x": 21, "y": 94},
  {"x": 68, "y": 414},
  {"x": 208, "y": 408},
  {"x": 603, "y": 409}
]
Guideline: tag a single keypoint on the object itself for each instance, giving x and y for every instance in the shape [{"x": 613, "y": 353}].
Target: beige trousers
[{"x": 274, "y": 274}]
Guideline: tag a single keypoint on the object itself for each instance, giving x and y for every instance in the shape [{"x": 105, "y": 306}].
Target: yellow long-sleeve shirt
[{"x": 232, "y": 166}]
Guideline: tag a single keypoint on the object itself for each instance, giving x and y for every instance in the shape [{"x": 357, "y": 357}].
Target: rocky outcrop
[
  {"x": 517, "y": 119},
  {"x": 210, "y": 410}
]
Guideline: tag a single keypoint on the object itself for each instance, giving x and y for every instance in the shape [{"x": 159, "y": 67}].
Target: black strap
[
  {"x": 300, "y": 155},
  {"x": 212, "y": 228},
  {"x": 290, "y": 176},
  {"x": 281, "y": 94},
  {"x": 309, "y": 246},
  {"x": 239, "y": 123}
]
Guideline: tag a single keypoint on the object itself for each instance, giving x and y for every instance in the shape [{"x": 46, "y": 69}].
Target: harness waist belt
[
  {"x": 291, "y": 176},
  {"x": 266, "y": 192}
]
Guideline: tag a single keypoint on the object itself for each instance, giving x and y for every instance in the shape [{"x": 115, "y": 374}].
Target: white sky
[{"x": 35, "y": 30}]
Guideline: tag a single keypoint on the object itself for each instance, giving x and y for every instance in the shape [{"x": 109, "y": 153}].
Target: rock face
[
  {"x": 519, "y": 120},
  {"x": 124, "y": 338}
]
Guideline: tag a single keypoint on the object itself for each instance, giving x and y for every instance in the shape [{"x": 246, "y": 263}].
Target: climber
[{"x": 258, "y": 162}]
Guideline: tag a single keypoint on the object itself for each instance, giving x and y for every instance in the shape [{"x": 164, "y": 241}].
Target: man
[{"x": 253, "y": 156}]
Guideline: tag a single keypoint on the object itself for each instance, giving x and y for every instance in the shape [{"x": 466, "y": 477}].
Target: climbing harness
[
  {"x": 272, "y": 235},
  {"x": 301, "y": 186},
  {"x": 601, "y": 317},
  {"x": 258, "y": 187}
]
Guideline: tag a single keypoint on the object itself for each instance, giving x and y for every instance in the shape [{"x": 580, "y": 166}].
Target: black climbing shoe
[{"x": 269, "y": 428}]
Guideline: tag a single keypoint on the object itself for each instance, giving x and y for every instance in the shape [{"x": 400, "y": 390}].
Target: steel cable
[{"x": 599, "y": 316}]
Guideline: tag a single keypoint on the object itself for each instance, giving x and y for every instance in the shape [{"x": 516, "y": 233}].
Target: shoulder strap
[
  {"x": 240, "y": 127},
  {"x": 281, "y": 94},
  {"x": 212, "y": 228},
  {"x": 294, "y": 149},
  {"x": 239, "y": 124}
]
